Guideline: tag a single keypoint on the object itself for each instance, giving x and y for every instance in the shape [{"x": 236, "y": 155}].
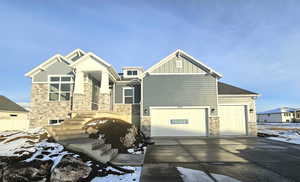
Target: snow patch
[
  {"x": 191, "y": 175},
  {"x": 125, "y": 178}
]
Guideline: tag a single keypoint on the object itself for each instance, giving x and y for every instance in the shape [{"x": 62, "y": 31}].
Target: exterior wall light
[{"x": 145, "y": 111}]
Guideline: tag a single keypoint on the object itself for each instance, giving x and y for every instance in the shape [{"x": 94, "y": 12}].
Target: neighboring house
[
  {"x": 178, "y": 96},
  {"x": 12, "y": 116},
  {"x": 282, "y": 115}
]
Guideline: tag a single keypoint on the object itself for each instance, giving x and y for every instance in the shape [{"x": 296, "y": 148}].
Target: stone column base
[
  {"x": 252, "y": 129},
  {"x": 104, "y": 102},
  {"x": 213, "y": 126},
  {"x": 146, "y": 125}
]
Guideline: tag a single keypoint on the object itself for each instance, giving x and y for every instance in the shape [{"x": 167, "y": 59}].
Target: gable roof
[
  {"x": 75, "y": 55},
  {"x": 278, "y": 110},
  {"x": 45, "y": 64},
  {"x": 179, "y": 52},
  {"x": 8, "y": 105},
  {"x": 226, "y": 89},
  {"x": 99, "y": 60}
]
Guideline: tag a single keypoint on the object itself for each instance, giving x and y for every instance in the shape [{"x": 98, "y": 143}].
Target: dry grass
[{"x": 284, "y": 129}]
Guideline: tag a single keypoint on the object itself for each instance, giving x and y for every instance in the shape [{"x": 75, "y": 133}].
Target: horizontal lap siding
[
  {"x": 57, "y": 68},
  {"x": 119, "y": 92},
  {"x": 179, "y": 90}
]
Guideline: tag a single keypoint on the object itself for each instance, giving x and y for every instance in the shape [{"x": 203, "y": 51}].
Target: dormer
[{"x": 132, "y": 72}]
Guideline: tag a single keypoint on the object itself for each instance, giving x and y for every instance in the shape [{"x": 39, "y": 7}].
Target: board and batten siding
[
  {"x": 119, "y": 92},
  {"x": 179, "y": 90},
  {"x": 57, "y": 68},
  {"x": 170, "y": 67}
]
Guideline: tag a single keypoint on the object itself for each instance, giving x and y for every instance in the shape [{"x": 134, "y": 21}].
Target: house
[
  {"x": 177, "y": 96},
  {"x": 282, "y": 115},
  {"x": 12, "y": 116}
]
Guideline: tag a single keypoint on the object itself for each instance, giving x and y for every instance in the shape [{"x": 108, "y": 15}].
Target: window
[
  {"x": 13, "y": 115},
  {"x": 179, "y": 121},
  {"x": 60, "y": 88},
  {"x": 55, "y": 121},
  {"x": 178, "y": 63},
  {"x": 128, "y": 95},
  {"x": 132, "y": 72}
]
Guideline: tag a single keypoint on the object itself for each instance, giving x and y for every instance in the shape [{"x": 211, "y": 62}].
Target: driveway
[{"x": 244, "y": 159}]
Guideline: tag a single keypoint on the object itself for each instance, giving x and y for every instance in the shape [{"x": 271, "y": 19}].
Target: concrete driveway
[{"x": 244, "y": 159}]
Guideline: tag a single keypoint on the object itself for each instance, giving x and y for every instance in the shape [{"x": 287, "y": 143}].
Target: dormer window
[{"x": 132, "y": 72}]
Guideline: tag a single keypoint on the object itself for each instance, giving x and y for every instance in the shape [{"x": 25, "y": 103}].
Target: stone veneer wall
[
  {"x": 43, "y": 110},
  {"x": 252, "y": 129},
  {"x": 213, "y": 126},
  {"x": 83, "y": 102},
  {"x": 146, "y": 125},
  {"x": 132, "y": 110},
  {"x": 104, "y": 102}
]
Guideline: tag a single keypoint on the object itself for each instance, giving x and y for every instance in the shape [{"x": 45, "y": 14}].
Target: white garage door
[
  {"x": 178, "y": 121},
  {"x": 232, "y": 120}
]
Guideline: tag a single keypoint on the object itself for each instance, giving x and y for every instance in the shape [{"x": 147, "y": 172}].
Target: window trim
[
  {"x": 133, "y": 95},
  {"x": 59, "y": 90},
  {"x": 132, "y": 75}
]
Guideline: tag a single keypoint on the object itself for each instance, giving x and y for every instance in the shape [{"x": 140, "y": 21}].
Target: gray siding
[
  {"x": 57, "y": 68},
  {"x": 119, "y": 92},
  {"x": 170, "y": 67},
  {"x": 179, "y": 90}
]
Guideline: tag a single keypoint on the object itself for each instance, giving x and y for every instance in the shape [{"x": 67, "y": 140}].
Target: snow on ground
[
  {"x": 18, "y": 143},
  {"x": 191, "y": 175},
  {"x": 125, "y": 178},
  {"x": 286, "y": 132},
  {"x": 34, "y": 142}
]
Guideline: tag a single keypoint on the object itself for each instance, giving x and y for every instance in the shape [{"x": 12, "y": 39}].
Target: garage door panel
[
  {"x": 178, "y": 122},
  {"x": 232, "y": 119}
]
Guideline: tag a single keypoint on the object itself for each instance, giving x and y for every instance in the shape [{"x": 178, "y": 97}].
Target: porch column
[
  {"x": 104, "y": 88},
  {"x": 82, "y": 93},
  {"x": 79, "y": 83},
  {"x": 104, "y": 96}
]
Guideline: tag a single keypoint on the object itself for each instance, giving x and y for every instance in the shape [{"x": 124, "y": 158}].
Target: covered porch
[{"x": 94, "y": 85}]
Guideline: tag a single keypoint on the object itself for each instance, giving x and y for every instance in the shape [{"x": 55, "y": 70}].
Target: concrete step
[
  {"x": 68, "y": 131},
  {"x": 104, "y": 148},
  {"x": 98, "y": 144},
  {"x": 109, "y": 155},
  {"x": 79, "y": 120},
  {"x": 72, "y": 126},
  {"x": 69, "y": 137}
]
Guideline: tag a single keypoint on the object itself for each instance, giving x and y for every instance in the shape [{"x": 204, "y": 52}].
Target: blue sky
[{"x": 254, "y": 44}]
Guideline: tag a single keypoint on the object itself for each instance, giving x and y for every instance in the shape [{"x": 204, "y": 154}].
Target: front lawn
[{"x": 285, "y": 132}]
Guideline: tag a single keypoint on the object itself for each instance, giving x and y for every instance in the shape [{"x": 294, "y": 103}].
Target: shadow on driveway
[{"x": 244, "y": 159}]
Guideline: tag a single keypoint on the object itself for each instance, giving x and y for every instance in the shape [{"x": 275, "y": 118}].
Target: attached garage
[
  {"x": 183, "y": 121},
  {"x": 232, "y": 119}
]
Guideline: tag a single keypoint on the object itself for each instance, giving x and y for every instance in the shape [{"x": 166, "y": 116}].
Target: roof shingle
[
  {"x": 8, "y": 105},
  {"x": 226, "y": 89}
]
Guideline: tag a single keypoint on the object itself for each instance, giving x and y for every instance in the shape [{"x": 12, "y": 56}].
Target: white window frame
[
  {"x": 59, "y": 90},
  {"x": 133, "y": 90},
  {"x": 132, "y": 70},
  {"x": 57, "y": 123}
]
